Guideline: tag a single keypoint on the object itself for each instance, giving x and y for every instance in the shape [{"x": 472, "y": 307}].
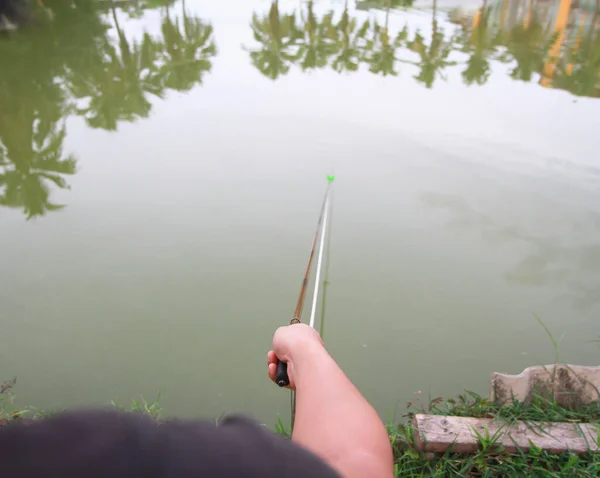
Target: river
[{"x": 162, "y": 168}]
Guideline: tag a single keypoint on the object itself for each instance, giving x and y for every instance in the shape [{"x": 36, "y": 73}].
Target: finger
[
  {"x": 272, "y": 371},
  {"x": 272, "y": 358}
]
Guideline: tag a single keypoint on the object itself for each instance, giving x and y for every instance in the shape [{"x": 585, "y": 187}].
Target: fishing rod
[{"x": 281, "y": 378}]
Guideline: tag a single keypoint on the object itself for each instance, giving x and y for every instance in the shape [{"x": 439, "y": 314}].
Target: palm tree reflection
[
  {"x": 36, "y": 160},
  {"x": 278, "y": 35},
  {"x": 72, "y": 65},
  {"x": 319, "y": 42},
  {"x": 380, "y": 53},
  {"x": 116, "y": 87},
  {"x": 479, "y": 45},
  {"x": 383, "y": 4},
  {"x": 434, "y": 58},
  {"x": 32, "y": 129},
  {"x": 581, "y": 74},
  {"x": 351, "y": 43},
  {"x": 528, "y": 44},
  {"x": 517, "y": 32},
  {"x": 187, "y": 51}
]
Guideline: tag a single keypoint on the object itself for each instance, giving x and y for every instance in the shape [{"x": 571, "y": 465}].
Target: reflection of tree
[
  {"x": 277, "y": 34},
  {"x": 320, "y": 39},
  {"x": 137, "y": 8},
  {"x": 187, "y": 51},
  {"x": 31, "y": 140},
  {"x": 25, "y": 181},
  {"x": 434, "y": 58},
  {"x": 528, "y": 44},
  {"x": 350, "y": 44},
  {"x": 535, "y": 44},
  {"x": 383, "y": 4},
  {"x": 381, "y": 50},
  {"x": 582, "y": 75},
  {"x": 34, "y": 104},
  {"x": 479, "y": 45},
  {"x": 116, "y": 86},
  {"x": 520, "y": 36},
  {"x": 69, "y": 64},
  {"x": 319, "y": 42}
]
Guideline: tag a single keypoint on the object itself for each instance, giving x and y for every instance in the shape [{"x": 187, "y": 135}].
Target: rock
[{"x": 570, "y": 385}]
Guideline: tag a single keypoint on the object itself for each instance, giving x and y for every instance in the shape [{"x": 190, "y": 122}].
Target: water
[{"x": 162, "y": 172}]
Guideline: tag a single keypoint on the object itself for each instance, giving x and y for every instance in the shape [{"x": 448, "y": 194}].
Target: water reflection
[
  {"x": 118, "y": 85},
  {"x": 433, "y": 56},
  {"x": 380, "y": 51},
  {"x": 383, "y": 4},
  {"x": 556, "y": 44},
  {"x": 35, "y": 103},
  {"x": 81, "y": 61},
  {"x": 137, "y": 8},
  {"x": 570, "y": 262},
  {"x": 351, "y": 43},
  {"x": 277, "y": 35},
  {"x": 31, "y": 162},
  {"x": 187, "y": 50}
]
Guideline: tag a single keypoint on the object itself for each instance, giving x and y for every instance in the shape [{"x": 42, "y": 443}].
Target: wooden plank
[{"x": 438, "y": 433}]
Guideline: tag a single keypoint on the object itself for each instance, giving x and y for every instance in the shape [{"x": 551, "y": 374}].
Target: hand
[{"x": 290, "y": 344}]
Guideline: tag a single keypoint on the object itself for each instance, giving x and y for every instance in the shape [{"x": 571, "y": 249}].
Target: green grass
[
  {"x": 152, "y": 409},
  {"x": 9, "y": 412}
]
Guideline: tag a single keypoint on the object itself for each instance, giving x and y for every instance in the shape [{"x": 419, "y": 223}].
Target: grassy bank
[{"x": 489, "y": 461}]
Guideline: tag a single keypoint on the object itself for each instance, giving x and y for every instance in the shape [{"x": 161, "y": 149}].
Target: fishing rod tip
[{"x": 330, "y": 178}]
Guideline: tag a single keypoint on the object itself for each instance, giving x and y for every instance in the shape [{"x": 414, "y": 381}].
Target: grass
[
  {"x": 9, "y": 412},
  {"x": 151, "y": 409}
]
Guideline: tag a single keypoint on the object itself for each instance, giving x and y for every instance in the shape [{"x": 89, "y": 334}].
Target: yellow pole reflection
[
  {"x": 562, "y": 18},
  {"x": 576, "y": 46},
  {"x": 528, "y": 16},
  {"x": 503, "y": 13}
]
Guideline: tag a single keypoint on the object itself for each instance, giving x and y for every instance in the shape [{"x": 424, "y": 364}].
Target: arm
[{"x": 333, "y": 420}]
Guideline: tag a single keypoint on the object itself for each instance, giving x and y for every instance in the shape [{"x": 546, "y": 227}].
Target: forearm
[{"x": 335, "y": 421}]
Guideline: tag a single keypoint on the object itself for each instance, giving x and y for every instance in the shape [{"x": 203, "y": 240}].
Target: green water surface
[{"x": 162, "y": 166}]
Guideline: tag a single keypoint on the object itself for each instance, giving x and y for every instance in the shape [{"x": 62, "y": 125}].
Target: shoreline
[{"x": 410, "y": 459}]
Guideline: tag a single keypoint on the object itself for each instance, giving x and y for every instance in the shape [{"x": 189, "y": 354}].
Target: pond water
[{"x": 162, "y": 168}]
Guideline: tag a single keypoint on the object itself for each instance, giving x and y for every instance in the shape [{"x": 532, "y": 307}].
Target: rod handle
[{"x": 281, "y": 377}]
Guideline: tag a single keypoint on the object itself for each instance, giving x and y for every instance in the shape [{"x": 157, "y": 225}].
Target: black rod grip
[{"x": 281, "y": 377}]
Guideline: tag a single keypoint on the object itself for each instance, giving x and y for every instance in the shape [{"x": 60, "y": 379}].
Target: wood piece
[{"x": 437, "y": 433}]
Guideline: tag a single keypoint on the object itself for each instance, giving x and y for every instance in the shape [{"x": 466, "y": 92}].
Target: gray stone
[{"x": 570, "y": 385}]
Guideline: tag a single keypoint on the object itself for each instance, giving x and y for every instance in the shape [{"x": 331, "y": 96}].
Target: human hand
[{"x": 290, "y": 344}]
